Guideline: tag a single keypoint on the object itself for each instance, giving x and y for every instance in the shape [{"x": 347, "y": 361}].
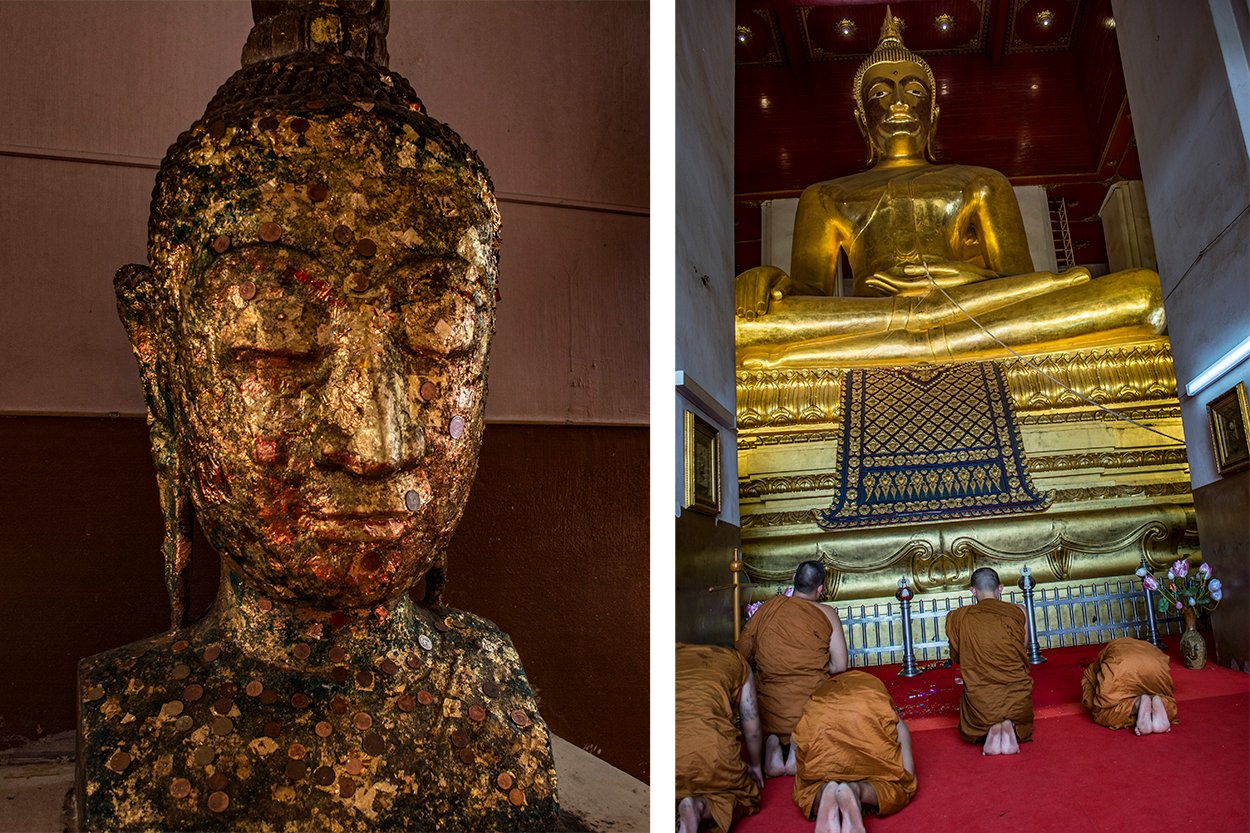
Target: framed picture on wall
[
  {"x": 1227, "y": 416},
  {"x": 702, "y": 453}
]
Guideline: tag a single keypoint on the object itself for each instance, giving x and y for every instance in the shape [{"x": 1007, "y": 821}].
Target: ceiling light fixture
[
  {"x": 944, "y": 23},
  {"x": 846, "y": 27},
  {"x": 744, "y": 34},
  {"x": 1045, "y": 18}
]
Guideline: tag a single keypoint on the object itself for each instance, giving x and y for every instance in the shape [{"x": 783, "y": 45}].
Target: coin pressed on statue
[
  {"x": 204, "y": 755},
  {"x": 296, "y": 751},
  {"x": 425, "y": 642},
  {"x": 516, "y": 797},
  {"x": 520, "y": 718},
  {"x": 270, "y": 232},
  {"x": 466, "y": 756},
  {"x": 424, "y": 697},
  {"x": 218, "y": 781},
  {"x": 374, "y": 744},
  {"x": 118, "y": 761},
  {"x": 180, "y": 672},
  {"x": 296, "y": 770},
  {"x": 221, "y": 243},
  {"x": 323, "y": 776},
  {"x": 476, "y": 713},
  {"x": 460, "y": 738},
  {"x": 254, "y": 688},
  {"x": 211, "y": 653},
  {"x": 223, "y": 726},
  {"x": 300, "y": 650},
  {"x": 180, "y": 788},
  {"x": 362, "y": 720},
  {"x": 354, "y": 766},
  {"x": 218, "y": 802},
  {"x": 337, "y": 654},
  {"x": 504, "y": 781},
  {"x": 347, "y": 787}
]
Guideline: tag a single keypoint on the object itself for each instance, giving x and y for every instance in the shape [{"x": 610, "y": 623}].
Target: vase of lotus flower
[{"x": 1193, "y": 646}]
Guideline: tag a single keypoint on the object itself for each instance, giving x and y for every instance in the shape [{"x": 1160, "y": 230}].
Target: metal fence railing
[{"x": 1069, "y": 615}]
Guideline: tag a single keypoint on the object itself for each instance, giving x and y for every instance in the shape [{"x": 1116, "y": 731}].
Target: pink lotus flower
[
  {"x": 1181, "y": 568},
  {"x": 1149, "y": 582},
  {"x": 1204, "y": 570},
  {"x": 1179, "y": 605}
]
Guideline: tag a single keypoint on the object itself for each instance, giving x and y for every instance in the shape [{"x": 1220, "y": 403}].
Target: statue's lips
[
  {"x": 901, "y": 118},
  {"x": 358, "y": 527}
]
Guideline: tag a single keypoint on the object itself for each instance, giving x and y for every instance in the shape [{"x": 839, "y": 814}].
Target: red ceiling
[{"x": 1044, "y": 105}]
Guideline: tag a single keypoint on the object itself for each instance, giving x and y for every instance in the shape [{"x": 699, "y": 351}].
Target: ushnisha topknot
[{"x": 304, "y": 61}]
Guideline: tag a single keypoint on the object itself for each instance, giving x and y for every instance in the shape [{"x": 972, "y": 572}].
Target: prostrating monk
[
  {"x": 854, "y": 754},
  {"x": 1129, "y": 684},
  {"x": 794, "y": 642},
  {"x": 905, "y": 219},
  {"x": 988, "y": 640},
  {"x": 713, "y": 782}
]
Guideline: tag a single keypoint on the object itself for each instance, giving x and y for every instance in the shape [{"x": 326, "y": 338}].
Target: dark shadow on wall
[{"x": 553, "y": 548}]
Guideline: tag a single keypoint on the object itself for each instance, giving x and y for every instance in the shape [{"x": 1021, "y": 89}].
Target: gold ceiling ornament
[
  {"x": 744, "y": 34},
  {"x": 846, "y": 27},
  {"x": 944, "y": 22},
  {"x": 1045, "y": 18}
]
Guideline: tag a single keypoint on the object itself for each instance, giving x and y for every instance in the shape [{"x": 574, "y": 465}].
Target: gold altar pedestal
[{"x": 1118, "y": 491}]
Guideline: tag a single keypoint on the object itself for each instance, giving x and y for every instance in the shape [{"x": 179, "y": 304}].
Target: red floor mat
[{"x": 1075, "y": 775}]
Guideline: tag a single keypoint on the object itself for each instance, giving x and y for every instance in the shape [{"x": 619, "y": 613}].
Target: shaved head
[
  {"x": 809, "y": 577},
  {"x": 984, "y": 579}
]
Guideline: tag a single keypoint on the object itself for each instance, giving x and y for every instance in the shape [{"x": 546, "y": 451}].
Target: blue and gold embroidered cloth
[{"x": 929, "y": 443}]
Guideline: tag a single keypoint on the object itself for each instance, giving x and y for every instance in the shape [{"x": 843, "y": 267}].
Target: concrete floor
[{"x": 37, "y": 780}]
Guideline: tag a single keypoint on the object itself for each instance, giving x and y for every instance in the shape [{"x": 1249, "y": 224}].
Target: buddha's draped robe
[
  {"x": 988, "y": 640},
  {"x": 787, "y": 640},
  {"x": 709, "y": 746},
  {"x": 849, "y": 732},
  {"x": 1125, "y": 669}
]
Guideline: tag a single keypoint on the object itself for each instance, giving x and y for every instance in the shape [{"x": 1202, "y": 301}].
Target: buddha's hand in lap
[
  {"x": 756, "y": 289},
  {"x": 911, "y": 278}
]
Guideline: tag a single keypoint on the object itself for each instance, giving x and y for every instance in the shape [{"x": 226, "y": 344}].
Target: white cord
[{"x": 1031, "y": 365}]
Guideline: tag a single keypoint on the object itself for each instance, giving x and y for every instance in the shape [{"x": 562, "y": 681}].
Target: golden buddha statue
[
  {"x": 929, "y": 246},
  {"x": 312, "y": 336}
]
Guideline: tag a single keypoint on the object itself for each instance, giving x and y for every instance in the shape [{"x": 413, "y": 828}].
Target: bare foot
[
  {"x": 828, "y": 812},
  {"x": 792, "y": 760},
  {"x": 848, "y": 803},
  {"x": 1142, "y": 709},
  {"x": 992, "y": 745},
  {"x": 774, "y": 766},
  {"x": 689, "y": 810},
  {"x": 1008, "y": 742},
  {"x": 1159, "y": 715}
]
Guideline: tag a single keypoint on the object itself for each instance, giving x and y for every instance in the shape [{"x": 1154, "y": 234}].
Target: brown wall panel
[
  {"x": 704, "y": 550},
  {"x": 1223, "y": 509},
  {"x": 553, "y": 548}
]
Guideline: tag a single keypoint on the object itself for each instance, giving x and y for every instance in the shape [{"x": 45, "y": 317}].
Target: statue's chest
[
  {"x": 195, "y": 745},
  {"x": 916, "y": 209}
]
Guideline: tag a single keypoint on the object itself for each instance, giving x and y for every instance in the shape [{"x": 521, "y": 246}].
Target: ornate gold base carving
[{"x": 1120, "y": 491}]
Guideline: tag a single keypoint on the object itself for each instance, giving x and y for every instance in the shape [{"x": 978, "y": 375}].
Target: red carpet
[{"x": 1075, "y": 776}]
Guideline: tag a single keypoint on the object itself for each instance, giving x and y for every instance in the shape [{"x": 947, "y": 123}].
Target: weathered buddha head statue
[
  {"x": 894, "y": 103},
  {"x": 313, "y": 330}
]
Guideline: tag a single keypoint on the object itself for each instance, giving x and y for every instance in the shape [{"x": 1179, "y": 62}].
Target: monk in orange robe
[
  {"x": 989, "y": 641},
  {"x": 713, "y": 782},
  {"x": 854, "y": 754},
  {"x": 795, "y": 643},
  {"x": 1130, "y": 684}
]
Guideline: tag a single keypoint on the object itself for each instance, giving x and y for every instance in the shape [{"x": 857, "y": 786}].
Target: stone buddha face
[
  {"x": 898, "y": 110},
  {"x": 329, "y": 297}
]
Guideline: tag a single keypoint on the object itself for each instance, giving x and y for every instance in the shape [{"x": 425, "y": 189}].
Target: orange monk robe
[
  {"x": 849, "y": 732},
  {"x": 787, "y": 640},
  {"x": 709, "y": 746},
  {"x": 988, "y": 641},
  {"x": 1125, "y": 669}
]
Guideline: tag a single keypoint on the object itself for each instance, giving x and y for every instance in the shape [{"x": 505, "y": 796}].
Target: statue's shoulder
[{"x": 972, "y": 175}]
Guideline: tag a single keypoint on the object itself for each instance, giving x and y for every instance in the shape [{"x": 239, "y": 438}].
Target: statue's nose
[{"x": 366, "y": 425}]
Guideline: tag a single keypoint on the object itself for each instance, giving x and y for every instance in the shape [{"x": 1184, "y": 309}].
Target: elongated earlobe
[{"x": 142, "y": 306}]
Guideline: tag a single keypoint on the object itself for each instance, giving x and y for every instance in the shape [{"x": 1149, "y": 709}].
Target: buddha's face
[
  {"x": 898, "y": 108},
  {"x": 334, "y": 317}
]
